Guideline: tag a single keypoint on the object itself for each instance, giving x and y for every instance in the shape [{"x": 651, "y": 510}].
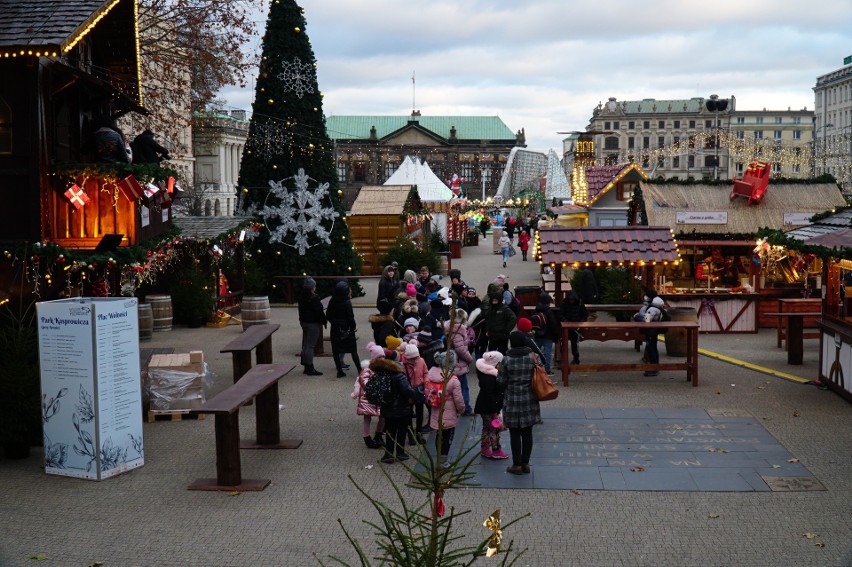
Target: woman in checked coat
[{"x": 520, "y": 406}]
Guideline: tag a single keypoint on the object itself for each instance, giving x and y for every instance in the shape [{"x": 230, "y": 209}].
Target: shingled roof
[
  {"x": 597, "y": 245},
  {"x": 46, "y": 25},
  {"x": 380, "y": 200}
]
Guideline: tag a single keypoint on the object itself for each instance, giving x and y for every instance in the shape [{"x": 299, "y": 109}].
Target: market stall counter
[{"x": 720, "y": 310}]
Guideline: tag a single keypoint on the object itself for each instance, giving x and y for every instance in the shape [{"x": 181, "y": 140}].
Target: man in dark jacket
[
  {"x": 398, "y": 412},
  {"x": 499, "y": 322},
  {"x": 547, "y": 330},
  {"x": 312, "y": 319},
  {"x": 147, "y": 150},
  {"x": 383, "y": 323},
  {"x": 573, "y": 309},
  {"x": 588, "y": 287}
]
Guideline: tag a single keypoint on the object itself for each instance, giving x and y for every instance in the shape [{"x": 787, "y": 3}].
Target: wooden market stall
[
  {"x": 379, "y": 215},
  {"x": 831, "y": 239},
  {"x": 642, "y": 247},
  {"x": 733, "y": 285}
]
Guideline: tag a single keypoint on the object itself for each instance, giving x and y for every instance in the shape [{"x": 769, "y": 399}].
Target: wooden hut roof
[
  {"x": 664, "y": 200},
  {"x": 606, "y": 245},
  {"x": 380, "y": 200}
]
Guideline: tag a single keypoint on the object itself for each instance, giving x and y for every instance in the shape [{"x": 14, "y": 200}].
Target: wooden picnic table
[
  {"x": 794, "y": 323},
  {"x": 260, "y": 383},
  {"x": 257, "y": 338},
  {"x": 629, "y": 331}
]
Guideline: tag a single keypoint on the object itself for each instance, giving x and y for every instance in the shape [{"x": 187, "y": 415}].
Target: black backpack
[
  {"x": 379, "y": 390},
  {"x": 664, "y": 315}
]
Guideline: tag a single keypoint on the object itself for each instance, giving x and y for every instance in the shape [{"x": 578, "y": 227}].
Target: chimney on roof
[
  {"x": 373, "y": 133},
  {"x": 415, "y": 113}
]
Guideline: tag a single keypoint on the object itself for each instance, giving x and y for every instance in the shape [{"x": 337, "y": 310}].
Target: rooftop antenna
[{"x": 413, "y": 93}]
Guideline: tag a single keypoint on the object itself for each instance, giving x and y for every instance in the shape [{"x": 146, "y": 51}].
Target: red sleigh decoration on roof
[{"x": 754, "y": 182}]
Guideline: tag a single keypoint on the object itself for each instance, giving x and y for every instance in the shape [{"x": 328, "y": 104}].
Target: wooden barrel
[
  {"x": 255, "y": 311},
  {"x": 161, "y": 309},
  {"x": 146, "y": 322},
  {"x": 676, "y": 343}
]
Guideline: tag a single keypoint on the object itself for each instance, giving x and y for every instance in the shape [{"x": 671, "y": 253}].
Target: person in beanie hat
[
  {"x": 343, "y": 326},
  {"x": 546, "y": 328},
  {"x": 525, "y": 327},
  {"x": 415, "y": 369},
  {"x": 458, "y": 341},
  {"x": 393, "y": 342},
  {"x": 573, "y": 309},
  {"x": 489, "y": 402},
  {"x": 388, "y": 286},
  {"x": 398, "y": 411},
  {"x": 428, "y": 346},
  {"x": 364, "y": 408},
  {"x": 521, "y": 410},
  {"x": 446, "y": 393},
  {"x": 382, "y": 322},
  {"x": 409, "y": 327},
  {"x": 312, "y": 320},
  {"x": 499, "y": 322}
]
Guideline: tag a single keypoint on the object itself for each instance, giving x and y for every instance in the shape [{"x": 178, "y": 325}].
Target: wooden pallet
[{"x": 173, "y": 416}]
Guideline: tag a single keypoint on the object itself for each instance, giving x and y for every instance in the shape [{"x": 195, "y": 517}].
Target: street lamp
[{"x": 716, "y": 104}]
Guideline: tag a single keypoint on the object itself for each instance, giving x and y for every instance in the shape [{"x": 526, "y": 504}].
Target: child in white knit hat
[
  {"x": 410, "y": 327},
  {"x": 365, "y": 408}
]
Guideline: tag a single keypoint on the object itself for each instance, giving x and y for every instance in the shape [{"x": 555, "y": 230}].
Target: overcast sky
[{"x": 544, "y": 65}]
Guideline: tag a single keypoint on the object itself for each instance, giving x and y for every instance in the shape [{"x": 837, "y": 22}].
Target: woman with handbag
[
  {"x": 342, "y": 320},
  {"x": 521, "y": 409}
]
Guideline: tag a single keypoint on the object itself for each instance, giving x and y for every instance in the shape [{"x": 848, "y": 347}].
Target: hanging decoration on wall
[
  {"x": 77, "y": 196},
  {"x": 300, "y": 211},
  {"x": 150, "y": 194},
  {"x": 130, "y": 188},
  {"x": 297, "y": 77}
]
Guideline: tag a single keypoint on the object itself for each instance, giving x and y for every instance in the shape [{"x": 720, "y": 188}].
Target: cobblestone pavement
[{"x": 148, "y": 517}]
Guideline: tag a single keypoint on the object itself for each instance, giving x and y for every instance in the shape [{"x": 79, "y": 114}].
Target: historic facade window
[
  {"x": 341, "y": 171},
  {"x": 359, "y": 172},
  {"x": 611, "y": 143}
]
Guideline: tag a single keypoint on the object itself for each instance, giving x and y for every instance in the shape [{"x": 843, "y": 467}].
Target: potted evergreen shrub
[{"x": 20, "y": 414}]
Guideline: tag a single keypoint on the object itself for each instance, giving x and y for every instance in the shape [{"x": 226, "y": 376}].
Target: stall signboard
[
  {"x": 701, "y": 217},
  {"x": 90, "y": 384},
  {"x": 797, "y": 219}
]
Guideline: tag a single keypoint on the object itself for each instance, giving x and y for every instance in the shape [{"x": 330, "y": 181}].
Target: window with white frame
[
  {"x": 776, "y": 167},
  {"x": 778, "y": 120},
  {"x": 797, "y": 134},
  {"x": 740, "y": 119},
  {"x": 341, "y": 171},
  {"x": 758, "y": 134},
  {"x": 776, "y": 134},
  {"x": 740, "y": 134},
  {"x": 760, "y": 119}
]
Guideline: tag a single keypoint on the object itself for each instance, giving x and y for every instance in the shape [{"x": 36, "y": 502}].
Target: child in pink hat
[{"x": 365, "y": 408}]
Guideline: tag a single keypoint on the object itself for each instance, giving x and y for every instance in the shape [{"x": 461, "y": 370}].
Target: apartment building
[
  {"x": 783, "y": 137},
  {"x": 833, "y": 123}
]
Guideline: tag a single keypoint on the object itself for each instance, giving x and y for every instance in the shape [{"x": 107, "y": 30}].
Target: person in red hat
[{"x": 525, "y": 327}]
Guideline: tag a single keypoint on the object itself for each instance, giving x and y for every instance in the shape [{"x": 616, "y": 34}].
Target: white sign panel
[
  {"x": 91, "y": 392},
  {"x": 701, "y": 217},
  {"x": 797, "y": 219},
  {"x": 145, "y": 216}
]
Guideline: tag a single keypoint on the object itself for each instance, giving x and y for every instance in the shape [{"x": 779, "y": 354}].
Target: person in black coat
[
  {"x": 488, "y": 404},
  {"x": 383, "y": 323},
  {"x": 312, "y": 319},
  {"x": 588, "y": 287},
  {"x": 388, "y": 286},
  {"x": 398, "y": 413},
  {"x": 110, "y": 145},
  {"x": 341, "y": 318},
  {"x": 547, "y": 330},
  {"x": 147, "y": 150},
  {"x": 574, "y": 309}
]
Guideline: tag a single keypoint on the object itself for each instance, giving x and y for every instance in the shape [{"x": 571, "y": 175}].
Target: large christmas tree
[{"x": 288, "y": 175}]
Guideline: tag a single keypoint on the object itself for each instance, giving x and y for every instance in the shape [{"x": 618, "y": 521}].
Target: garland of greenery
[
  {"x": 114, "y": 170},
  {"x": 780, "y": 238}
]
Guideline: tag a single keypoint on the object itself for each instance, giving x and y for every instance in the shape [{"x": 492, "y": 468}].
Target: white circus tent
[{"x": 433, "y": 192}]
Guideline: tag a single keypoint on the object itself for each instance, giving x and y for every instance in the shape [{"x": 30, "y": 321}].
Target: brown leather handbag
[{"x": 543, "y": 387}]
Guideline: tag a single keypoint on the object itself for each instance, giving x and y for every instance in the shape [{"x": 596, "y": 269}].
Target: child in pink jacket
[
  {"x": 415, "y": 370},
  {"x": 449, "y": 392},
  {"x": 457, "y": 336},
  {"x": 365, "y": 408}
]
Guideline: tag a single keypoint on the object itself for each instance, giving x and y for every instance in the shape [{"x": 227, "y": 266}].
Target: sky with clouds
[{"x": 544, "y": 65}]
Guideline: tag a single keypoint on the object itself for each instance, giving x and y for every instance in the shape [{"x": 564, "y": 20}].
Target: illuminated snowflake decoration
[
  {"x": 297, "y": 77},
  {"x": 299, "y": 211}
]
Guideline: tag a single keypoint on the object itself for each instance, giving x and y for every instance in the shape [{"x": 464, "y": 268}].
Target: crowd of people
[{"x": 428, "y": 340}]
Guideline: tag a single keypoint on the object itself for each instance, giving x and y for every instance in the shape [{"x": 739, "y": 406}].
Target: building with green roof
[{"x": 369, "y": 149}]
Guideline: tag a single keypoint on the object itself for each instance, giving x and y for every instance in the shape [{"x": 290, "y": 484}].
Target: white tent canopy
[{"x": 413, "y": 171}]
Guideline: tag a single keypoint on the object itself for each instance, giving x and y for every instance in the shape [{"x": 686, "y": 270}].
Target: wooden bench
[
  {"x": 261, "y": 382},
  {"x": 794, "y": 323},
  {"x": 257, "y": 338},
  {"x": 630, "y": 331}
]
